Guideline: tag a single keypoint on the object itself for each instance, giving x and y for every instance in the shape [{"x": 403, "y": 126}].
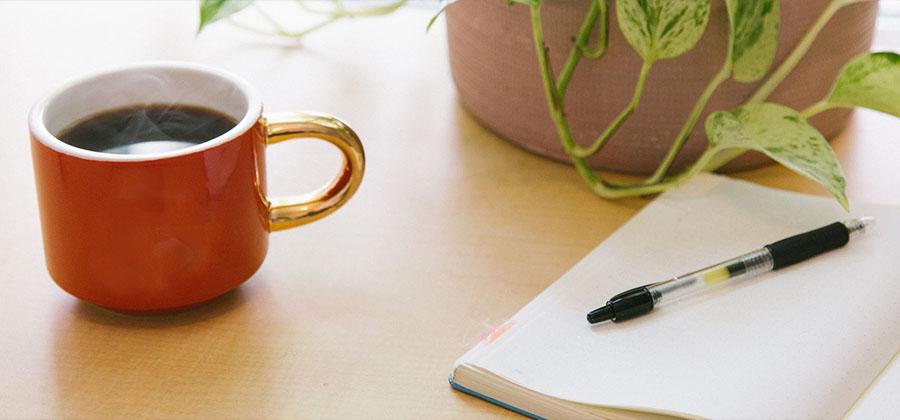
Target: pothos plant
[
  {"x": 663, "y": 29},
  {"x": 659, "y": 30}
]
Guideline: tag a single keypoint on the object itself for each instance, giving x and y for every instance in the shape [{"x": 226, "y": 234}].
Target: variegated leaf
[
  {"x": 871, "y": 81},
  {"x": 660, "y": 29},
  {"x": 756, "y": 24},
  {"x": 785, "y": 136}
]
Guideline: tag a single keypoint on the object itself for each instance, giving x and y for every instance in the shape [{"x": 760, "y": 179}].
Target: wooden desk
[{"x": 358, "y": 316}]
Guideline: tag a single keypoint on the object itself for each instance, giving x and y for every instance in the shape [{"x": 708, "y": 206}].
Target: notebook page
[
  {"x": 882, "y": 399},
  {"x": 802, "y": 342}
]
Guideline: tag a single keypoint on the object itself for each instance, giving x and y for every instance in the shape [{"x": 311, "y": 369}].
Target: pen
[{"x": 640, "y": 300}]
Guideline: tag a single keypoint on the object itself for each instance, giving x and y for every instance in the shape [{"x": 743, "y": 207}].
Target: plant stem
[
  {"x": 374, "y": 11},
  {"x": 620, "y": 119},
  {"x": 598, "y": 185},
  {"x": 339, "y": 12},
  {"x": 311, "y": 28},
  {"x": 553, "y": 99},
  {"x": 816, "y": 108},
  {"x": 268, "y": 18},
  {"x": 562, "y": 84},
  {"x": 556, "y": 112},
  {"x": 698, "y": 166},
  {"x": 305, "y": 7},
  {"x": 602, "y": 34},
  {"x": 722, "y": 158},
  {"x": 236, "y": 23},
  {"x": 671, "y": 181},
  {"x": 796, "y": 54},
  {"x": 686, "y": 129},
  {"x": 723, "y": 74}
]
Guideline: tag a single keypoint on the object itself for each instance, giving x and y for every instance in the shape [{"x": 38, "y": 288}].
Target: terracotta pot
[{"x": 496, "y": 74}]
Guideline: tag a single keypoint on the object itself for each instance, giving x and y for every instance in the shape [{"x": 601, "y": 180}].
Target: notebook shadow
[{"x": 108, "y": 364}]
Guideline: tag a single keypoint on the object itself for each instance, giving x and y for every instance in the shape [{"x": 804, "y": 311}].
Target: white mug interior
[{"x": 144, "y": 84}]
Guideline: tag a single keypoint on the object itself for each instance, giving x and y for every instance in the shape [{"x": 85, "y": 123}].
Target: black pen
[{"x": 640, "y": 300}]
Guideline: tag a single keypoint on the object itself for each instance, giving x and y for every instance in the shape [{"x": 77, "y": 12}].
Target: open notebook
[{"x": 814, "y": 340}]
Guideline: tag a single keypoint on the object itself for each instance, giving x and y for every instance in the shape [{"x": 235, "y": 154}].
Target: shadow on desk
[
  {"x": 201, "y": 362},
  {"x": 495, "y": 177},
  {"x": 209, "y": 310}
]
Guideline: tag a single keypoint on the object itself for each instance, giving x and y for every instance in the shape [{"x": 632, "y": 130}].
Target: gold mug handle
[{"x": 293, "y": 211}]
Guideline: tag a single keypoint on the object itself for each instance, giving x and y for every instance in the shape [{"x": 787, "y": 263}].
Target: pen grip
[{"x": 807, "y": 245}]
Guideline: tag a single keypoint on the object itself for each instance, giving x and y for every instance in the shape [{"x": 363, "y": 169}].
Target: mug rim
[{"x": 42, "y": 134}]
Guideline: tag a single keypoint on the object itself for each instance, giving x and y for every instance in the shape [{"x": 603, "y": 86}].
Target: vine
[{"x": 744, "y": 15}]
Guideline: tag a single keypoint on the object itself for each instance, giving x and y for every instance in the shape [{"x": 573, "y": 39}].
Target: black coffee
[{"x": 147, "y": 129}]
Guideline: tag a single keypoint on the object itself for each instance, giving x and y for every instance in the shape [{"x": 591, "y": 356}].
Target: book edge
[
  {"x": 607, "y": 412},
  {"x": 872, "y": 385},
  {"x": 455, "y": 385}
]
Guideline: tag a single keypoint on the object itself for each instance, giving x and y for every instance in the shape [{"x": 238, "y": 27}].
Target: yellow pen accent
[{"x": 716, "y": 275}]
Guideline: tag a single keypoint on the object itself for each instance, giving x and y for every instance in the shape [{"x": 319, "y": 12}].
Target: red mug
[{"x": 158, "y": 232}]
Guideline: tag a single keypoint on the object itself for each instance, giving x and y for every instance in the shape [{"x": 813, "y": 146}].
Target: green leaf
[
  {"x": 660, "y": 29},
  {"x": 213, "y": 10},
  {"x": 783, "y": 135},
  {"x": 755, "y": 30},
  {"x": 871, "y": 81},
  {"x": 438, "y": 14}
]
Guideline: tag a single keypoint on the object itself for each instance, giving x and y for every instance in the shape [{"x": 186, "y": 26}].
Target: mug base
[
  {"x": 175, "y": 310},
  {"x": 142, "y": 308}
]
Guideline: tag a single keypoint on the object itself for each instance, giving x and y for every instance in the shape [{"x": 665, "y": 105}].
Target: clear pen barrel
[{"x": 750, "y": 264}]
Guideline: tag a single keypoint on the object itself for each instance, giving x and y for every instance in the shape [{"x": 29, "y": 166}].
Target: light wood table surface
[{"x": 360, "y": 315}]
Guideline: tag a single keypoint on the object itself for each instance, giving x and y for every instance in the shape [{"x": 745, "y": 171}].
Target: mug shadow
[
  {"x": 207, "y": 361},
  {"x": 205, "y": 311}
]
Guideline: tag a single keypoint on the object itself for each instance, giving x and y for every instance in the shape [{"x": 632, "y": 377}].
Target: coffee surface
[{"x": 146, "y": 129}]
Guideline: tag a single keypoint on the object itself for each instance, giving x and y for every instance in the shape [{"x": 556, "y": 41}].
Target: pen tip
[
  {"x": 856, "y": 227},
  {"x": 604, "y": 313}
]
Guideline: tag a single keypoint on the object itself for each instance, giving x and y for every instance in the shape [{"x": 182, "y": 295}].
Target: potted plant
[
  {"x": 664, "y": 89},
  {"x": 496, "y": 78},
  {"x": 717, "y": 95}
]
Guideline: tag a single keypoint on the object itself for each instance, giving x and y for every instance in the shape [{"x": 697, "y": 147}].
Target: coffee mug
[{"x": 166, "y": 230}]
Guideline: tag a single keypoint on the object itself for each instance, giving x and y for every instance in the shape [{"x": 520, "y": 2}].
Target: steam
[
  {"x": 146, "y": 109},
  {"x": 148, "y": 129}
]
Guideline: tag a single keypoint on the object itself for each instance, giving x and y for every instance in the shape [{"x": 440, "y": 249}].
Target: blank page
[
  {"x": 882, "y": 399},
  {"x": 802, "y": 342}
]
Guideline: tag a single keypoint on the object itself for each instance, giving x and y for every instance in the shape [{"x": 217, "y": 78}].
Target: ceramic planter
[{"x": 494, "y": 67}]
